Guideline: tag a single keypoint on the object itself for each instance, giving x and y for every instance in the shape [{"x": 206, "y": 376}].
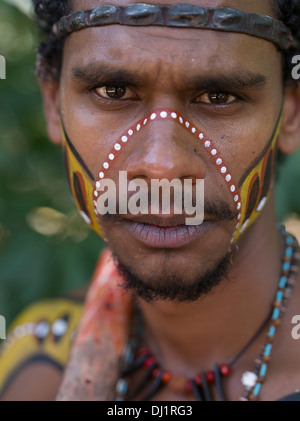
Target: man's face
[{"x": 228, "y": 85}]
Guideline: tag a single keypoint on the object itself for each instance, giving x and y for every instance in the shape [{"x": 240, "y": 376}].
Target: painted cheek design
[
  {"x": 208, "y": 145},
  {"x": 257, "y": 184},
  {"x": 80, "y": 182}
]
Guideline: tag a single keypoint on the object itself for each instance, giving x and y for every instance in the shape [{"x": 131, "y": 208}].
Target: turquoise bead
[
  {"x": 289, "y": 241},
  {"x": 276, "y": 313},
  {"x": 289, "y": 252},
  {"x": 279, "y": 296},
  {"x": 263, "y": 370},
  {"x": 257, "y": 389},
  {"x": 268, "y": 349},
  {"x": 282, "y": 282},
  {"x": 286, "y": 266},
  {"x": 272, "y": 331}
]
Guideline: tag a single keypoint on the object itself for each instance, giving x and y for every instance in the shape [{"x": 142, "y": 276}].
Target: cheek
[
  {"x": 81, "y": 184},
  {"x": 256, "y": 185}
]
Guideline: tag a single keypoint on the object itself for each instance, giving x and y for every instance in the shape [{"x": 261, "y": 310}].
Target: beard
[{"x": 171, "y": 286}]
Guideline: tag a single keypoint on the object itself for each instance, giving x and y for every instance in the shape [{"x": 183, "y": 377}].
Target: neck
[{"x": 236, "y": 309}]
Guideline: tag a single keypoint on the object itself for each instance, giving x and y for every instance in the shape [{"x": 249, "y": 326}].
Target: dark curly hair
[{"x": 48, "y": 12}]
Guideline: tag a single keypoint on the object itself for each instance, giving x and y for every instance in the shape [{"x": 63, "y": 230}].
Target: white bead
[
  {"x": 187, "y": 124},
  {"x": 232, "y": 188},
  {"x": 214, "y": 152},
  {"x": 138, "y": 127},
  {"x": 207, "y": 143},
  {"x": 193, "y": 130},
  {"x": 173, "y": 115},
  {"x": 236, "y": 198},
  {"x": 223, "y": 170},
  {"x": 125, "y": 138},
  {"x": 101, "y": 174},
  {"x": 117, "y": 146},
  {"x": 111, "y": 156},
  {"x": 145, "y": 121},
  {"x": 219, "y": 161},
  {"x": 249, "y": 379},
  {"x": 41, "y": 329},
  {"x": 228, "y": 177},
  {"x": 238, "y": 206},
  {"x": 153, "y": 116},
  {"x": 181, "y": 120},
  {"x": 201, "y": 137},
  {"x": 59, "y": 327},
  {"x": 130, "y": 132},
  {"x": 98, "y": 186},
  {"x": 163, "y": 114},
  {"x": 106, "y": 165}
]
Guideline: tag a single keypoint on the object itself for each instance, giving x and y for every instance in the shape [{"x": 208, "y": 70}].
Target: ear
[
  {"x": 289, "y": 138},
  {"x": 50, "y": 94}
]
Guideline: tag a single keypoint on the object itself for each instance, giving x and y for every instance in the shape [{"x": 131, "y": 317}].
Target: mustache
[{"x": 217, "y": 209}]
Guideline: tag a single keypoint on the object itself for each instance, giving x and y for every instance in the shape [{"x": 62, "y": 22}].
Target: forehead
[{"x": 159, "y": 47}]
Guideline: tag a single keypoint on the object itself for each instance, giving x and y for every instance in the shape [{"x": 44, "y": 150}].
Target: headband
[{"x": 180, "y": 16}]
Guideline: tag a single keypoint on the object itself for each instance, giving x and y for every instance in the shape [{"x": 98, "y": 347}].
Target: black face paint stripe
[
  {"x": 77, "y": 155},
  {"x": 79, "y": 194}
]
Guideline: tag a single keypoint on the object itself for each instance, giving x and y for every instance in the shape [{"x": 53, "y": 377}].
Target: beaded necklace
[{"x": 200, "y": 384}]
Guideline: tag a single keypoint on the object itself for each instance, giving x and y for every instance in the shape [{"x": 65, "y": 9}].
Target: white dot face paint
[{"x": 167, "y": 114}]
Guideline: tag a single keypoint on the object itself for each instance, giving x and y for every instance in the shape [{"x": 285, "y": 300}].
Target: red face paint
[{"x": 207, "y": 144}]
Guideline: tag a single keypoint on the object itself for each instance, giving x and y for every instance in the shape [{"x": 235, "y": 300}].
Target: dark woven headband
[{"x": 180, "y": 16}]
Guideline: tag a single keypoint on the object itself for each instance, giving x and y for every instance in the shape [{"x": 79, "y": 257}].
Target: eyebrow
[{"x": 105, "y": 74}]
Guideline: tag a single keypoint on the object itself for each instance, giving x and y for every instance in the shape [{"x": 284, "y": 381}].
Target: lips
[{"x": 170, "y": 232}]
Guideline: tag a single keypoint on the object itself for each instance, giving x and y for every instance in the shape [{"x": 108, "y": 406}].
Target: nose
[{"x": 165, "y": 150}]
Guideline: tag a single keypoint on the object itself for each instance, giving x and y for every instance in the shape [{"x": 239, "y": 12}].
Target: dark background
[{"x": 45, "y": 247}]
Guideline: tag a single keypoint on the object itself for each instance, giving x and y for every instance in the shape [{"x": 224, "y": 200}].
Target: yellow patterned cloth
[{"x": 42, "y": 332}]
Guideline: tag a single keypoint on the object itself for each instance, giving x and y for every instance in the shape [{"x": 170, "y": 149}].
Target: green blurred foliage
[
  {"x": 49, "y": 251},
  {"x": 34, "y": 265}
]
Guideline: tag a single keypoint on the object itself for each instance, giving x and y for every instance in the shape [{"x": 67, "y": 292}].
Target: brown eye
[
  {"x": 115, "y": 92},
  {"x": 218, "y": 98}
]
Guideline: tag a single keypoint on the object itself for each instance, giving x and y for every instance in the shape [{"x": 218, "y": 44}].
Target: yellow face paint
[
  {"x": 256, "y": 187},
  {"x": 249, "y": 199},
  {"x": 81, "y": 183}
]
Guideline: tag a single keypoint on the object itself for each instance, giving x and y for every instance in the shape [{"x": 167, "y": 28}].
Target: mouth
[{"x": 165, "y": 232}]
